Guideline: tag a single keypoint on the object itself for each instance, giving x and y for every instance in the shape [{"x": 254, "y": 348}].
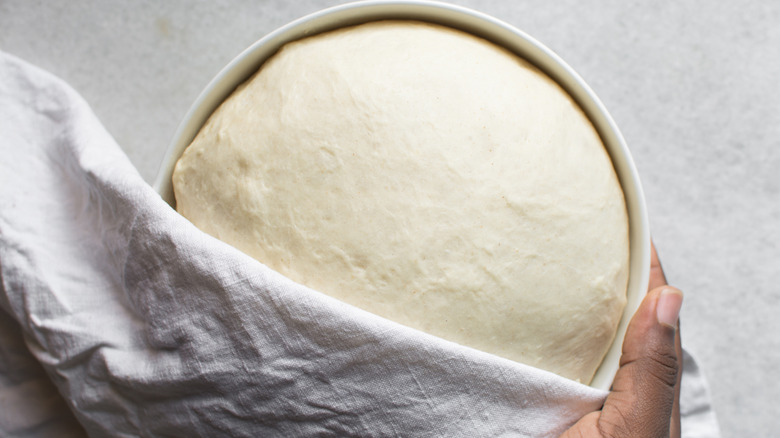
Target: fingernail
[{"x": 668, "y": 307}]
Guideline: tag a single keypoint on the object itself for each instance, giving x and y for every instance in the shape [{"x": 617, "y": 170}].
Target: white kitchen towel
[{"x": 149, "y": 327}]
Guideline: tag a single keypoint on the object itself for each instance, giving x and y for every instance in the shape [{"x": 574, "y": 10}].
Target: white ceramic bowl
[{"x": 478, "y": 24}]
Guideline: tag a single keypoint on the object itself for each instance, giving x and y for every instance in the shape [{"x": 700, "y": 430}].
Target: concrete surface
[{"x": 692, "y": 84}]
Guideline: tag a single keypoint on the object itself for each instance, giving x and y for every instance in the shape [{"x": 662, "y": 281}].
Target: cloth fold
[{"x": 149, "y": 327}]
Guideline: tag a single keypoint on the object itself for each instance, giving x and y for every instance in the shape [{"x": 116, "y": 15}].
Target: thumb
[{"x": 643, "y": 392}]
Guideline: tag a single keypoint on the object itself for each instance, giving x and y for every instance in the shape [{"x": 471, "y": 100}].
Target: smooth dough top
[{"x": 429, "y": 177}]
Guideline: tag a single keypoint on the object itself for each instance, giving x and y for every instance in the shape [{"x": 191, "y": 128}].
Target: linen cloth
[{"x": 148, "y": 327}]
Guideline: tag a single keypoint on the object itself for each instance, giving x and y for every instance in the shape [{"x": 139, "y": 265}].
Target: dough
[{"x": 429, "y": 177}]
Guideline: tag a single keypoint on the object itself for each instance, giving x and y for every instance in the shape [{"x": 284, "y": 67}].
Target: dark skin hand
[{"x": 645, "y": 396}]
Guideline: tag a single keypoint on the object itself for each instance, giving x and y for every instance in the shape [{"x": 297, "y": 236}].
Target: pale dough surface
[{"x": 427, "y": 176}]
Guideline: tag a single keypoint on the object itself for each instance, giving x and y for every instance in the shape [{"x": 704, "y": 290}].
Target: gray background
[{"x": 692, "y": 84}]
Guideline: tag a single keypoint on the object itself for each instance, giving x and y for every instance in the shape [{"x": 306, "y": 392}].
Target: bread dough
[{"x": 427, "y": 176}]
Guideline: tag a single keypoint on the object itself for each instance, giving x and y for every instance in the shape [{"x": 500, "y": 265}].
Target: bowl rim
[{"x": 481, "y": 25}]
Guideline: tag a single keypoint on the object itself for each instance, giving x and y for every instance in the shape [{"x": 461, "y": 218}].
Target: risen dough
[{"x": 427, "y": 176}]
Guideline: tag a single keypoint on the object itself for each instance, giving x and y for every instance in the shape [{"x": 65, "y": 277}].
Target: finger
[
  {"x": 642, "y": 400},
  {"x": 657, "y": 277},
  {"x": 675, "y": 430}
]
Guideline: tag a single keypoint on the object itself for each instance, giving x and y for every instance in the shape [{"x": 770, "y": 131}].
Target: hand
[{"x": 645, "y": 396}]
